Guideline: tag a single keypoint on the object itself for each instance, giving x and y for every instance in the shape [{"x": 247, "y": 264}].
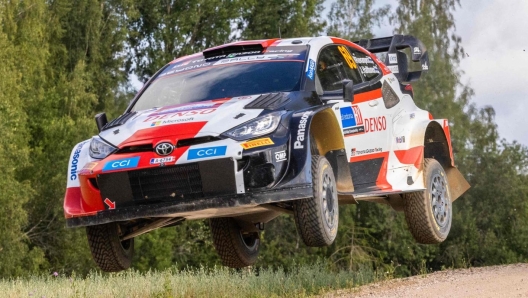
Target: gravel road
[{"x": 495, "y": 281}]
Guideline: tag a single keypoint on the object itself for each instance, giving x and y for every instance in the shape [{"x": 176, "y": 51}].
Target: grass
[{"x": 302, "y": 281}]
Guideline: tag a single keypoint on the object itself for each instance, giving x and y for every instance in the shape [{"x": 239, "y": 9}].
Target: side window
[
  {"x": 366, "y": 65},
  {"x": 334, "y": 65}
]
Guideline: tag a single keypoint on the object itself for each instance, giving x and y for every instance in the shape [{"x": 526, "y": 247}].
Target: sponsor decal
[
  {"x": 188, "y": 107},
  {"x": 257, "y": 143},
  {"x": 278, "y": 51},
  {"x": 116, "y": 131},
  {"x": 179, "y": 114},
  {"x": 191, "y": 67},
  {"x": 75, "y": 161},
  {"x": 310, "y": 72},
  {"x": 280, "y": 156},
  {"x": 394, "y": 68},
  {"x": 425, "y": 66},
  {"x": 366, "y": 60},
  {"x": 170, "y": 121},
  {"x": 375, "y": 124},
  {"x": 353, "y": 152},
  {"x": 256, "y": 58},
  {"x": 161, "y": 160},
  {"x": 393, "y": 58},
  {"x": 206, "y": 152},
  {"x": 349, "y": 60},
  {"x": 125, "y": 163},
  {"x": 400, "y": 140},
  {"x": 366, "y": 69},
  {"x": 239, "y": 116},
  {"x": 416, "y": 50},
  {"x": 301, "y": 131},
  {"x": 352, "y": 120},
  {"x": 368, "y": 151}
]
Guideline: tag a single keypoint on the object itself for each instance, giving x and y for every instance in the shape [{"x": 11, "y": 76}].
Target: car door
[{"x": 367, "y": 139}]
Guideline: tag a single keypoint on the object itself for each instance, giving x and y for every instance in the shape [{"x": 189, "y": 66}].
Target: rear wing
[{"x": 396, "y": 60}]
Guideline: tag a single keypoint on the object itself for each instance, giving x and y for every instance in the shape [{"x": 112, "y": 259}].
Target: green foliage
[
  {"x": 293, "y": 18},
  {"x": 299, "y": 281},
  {"x": 355, "y": 19},
  {"x": 62, "y": 61}
]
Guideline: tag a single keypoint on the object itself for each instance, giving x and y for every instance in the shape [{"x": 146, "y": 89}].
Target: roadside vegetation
[
  {"x": 63, "y": 61},
  {"x": 300, "y": 281}
]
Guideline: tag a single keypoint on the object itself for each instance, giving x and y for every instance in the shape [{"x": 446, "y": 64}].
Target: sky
[{"x": 494, "y": 36}]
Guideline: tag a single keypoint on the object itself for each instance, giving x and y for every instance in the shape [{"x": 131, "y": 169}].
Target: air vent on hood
[
  {"x": 119, "y": 120},
  {"x": 270, "y": 101}
]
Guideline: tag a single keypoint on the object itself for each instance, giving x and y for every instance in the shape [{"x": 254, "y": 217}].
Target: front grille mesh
[{"x": 173, "y": 182}]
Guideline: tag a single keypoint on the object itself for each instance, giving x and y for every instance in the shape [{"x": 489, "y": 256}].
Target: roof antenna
[{"x": 279, "y": 33}]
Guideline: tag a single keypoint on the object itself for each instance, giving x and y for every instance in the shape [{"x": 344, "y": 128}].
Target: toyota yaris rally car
[{"x": 241, "y": 133}]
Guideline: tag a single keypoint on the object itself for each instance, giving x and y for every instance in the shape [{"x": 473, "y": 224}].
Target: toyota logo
[{"x": 164, "y": 149}]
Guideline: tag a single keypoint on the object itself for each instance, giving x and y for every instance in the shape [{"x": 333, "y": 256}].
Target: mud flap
[{"x": 457, "y": 183}]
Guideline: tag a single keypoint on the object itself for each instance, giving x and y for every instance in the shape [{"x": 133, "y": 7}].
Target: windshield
[{"x": 201, "y": 79}]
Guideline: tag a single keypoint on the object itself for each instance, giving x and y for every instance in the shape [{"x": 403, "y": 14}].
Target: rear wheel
[
  {"x": 237, "y": 248},
  {"x": 317, "y": 217},
  {"x": 108, "y": 251},
  {"x": 429, "y": 213}
]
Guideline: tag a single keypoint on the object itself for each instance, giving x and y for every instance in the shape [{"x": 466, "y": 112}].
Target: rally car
[{"x": 241, "y": 133}]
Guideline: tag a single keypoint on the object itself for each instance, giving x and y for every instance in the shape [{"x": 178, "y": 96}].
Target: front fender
[
  {"x": 299, "y": 168},
  {"x": 79, "y": 157}
]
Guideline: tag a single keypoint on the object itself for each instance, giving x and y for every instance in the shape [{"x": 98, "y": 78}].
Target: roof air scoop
[{"x": 234, "y": 49}]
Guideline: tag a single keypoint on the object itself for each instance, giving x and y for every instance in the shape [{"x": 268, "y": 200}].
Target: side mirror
[
  {"x": 348, "y": 90},
  {"x": 101, "y": 120}
]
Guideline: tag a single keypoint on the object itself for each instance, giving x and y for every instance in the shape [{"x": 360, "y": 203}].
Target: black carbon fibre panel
[
  {"x": 270, "y": 101},
  {"x": 365, "y": 172},
  {"x": 119, "y": 120},
  {"x": 182, "y": 181}
]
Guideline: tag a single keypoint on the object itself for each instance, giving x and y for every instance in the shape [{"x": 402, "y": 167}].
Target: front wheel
[
  {"x": 317, "y": 217},
  {"x": 429, "y": 213},
  {"x": 237, "y": 248},
  {"x": 108, "y": 251}
]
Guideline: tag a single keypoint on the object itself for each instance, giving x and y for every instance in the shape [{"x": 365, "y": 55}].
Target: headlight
[
  {"x": 256, "y": 127},
  {"x": 100, "y": 149}
]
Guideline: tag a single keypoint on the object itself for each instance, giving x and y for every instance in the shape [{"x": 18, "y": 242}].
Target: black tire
[
  {"x": 429, "y": 213},
  {"x": 236, "y": 248},
  {"x": 108, "y": 251},
  {"x": 317, "y": 217}
]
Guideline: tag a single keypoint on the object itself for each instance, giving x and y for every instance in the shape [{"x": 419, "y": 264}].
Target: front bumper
[{"x": 208, "y": 207}]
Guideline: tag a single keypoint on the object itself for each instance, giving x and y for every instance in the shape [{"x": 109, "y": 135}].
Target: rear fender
[{"x": 435, "y": 138}]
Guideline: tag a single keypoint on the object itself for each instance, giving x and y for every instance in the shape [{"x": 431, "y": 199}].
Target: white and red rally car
[{"x": 243, "y": 132}]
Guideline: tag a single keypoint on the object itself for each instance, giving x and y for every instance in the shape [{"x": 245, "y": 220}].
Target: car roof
[{"x": 314, "y": 42}]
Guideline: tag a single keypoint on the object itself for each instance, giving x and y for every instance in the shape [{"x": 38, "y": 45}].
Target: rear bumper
[{"x": 216, "y": 206}]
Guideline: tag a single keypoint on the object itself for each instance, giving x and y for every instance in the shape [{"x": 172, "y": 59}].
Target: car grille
[{"x": 180, "y": 182}]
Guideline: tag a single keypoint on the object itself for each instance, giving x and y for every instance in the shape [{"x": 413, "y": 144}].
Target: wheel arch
[
  {"x": 329, "y": 142},
  {"x": 437, "y": 145}
]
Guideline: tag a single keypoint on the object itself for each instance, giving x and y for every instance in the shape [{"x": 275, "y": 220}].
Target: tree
[
  {"x": 279, "y": 18},
  {"x": 159, "y": 31},
  {"x": 355, "y": 19}
]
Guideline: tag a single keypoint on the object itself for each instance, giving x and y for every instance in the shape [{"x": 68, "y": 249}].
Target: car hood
[{"x": 184, "y": 121}]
